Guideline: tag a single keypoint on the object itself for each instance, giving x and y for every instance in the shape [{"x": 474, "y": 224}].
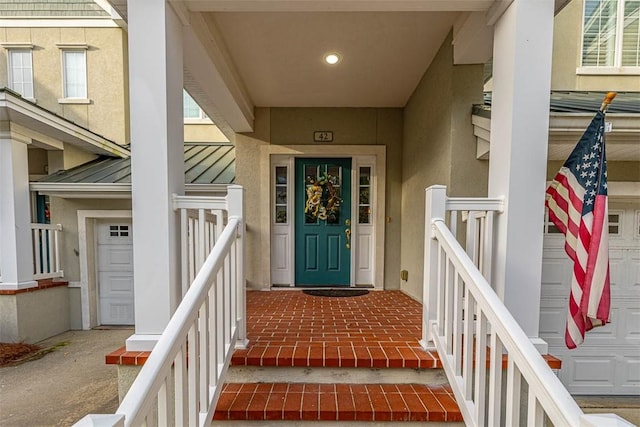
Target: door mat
[{"x": 336, "y": 292}]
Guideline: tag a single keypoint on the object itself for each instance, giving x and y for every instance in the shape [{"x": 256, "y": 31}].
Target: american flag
[{"x": 577, "y": 202}]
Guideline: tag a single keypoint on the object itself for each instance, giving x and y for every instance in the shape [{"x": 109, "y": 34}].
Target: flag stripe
[{"x": 577, "y": 203}]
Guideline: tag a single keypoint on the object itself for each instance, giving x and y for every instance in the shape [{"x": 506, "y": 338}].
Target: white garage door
[
  {"x": 608, "y": 362},
  {"x": 115, "y": 272}
]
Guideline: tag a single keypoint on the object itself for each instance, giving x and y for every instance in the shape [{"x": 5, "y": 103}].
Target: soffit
[{"x": 279, "y": 55}]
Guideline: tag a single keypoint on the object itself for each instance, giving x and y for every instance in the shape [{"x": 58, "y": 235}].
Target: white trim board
[{"x": 87, "y": 291}]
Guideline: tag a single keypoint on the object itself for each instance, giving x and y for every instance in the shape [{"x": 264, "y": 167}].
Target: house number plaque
[{"x": 323, "y": 136}]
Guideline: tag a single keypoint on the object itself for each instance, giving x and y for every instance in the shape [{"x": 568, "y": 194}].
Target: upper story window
[
  {"x": 74, "y": 74},
  {"x": 611, "y": 36},
  {"x": 191, "y": 110},
  {"x": 21, "y": 71}
]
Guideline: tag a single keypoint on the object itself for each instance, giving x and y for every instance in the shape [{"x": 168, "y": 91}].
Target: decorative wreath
[{"x": 323, "y": 201}]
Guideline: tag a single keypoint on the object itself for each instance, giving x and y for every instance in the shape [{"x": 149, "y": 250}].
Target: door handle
[{"x": 348, "y": 233}]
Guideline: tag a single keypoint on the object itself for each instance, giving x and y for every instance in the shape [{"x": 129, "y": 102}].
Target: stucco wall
[
  {"x": 203, "y": 133},
  {"x": 34, "y": 316},
  {"x": 295, "y": 126},
  {"x": 567, "y": 41},
  {"x": 438, "y": 148},
  {"x": 64, "y": 211},
  {"x": 107, "y": 113}
]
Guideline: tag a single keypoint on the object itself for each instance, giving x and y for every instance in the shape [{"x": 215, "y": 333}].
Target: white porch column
[
  {"x": 156, "y": 82},
  {"x": 16, "y": 254},
  {"x": 523, "y": 38}
]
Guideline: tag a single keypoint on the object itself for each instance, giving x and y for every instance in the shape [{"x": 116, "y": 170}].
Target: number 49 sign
[{"x": 323, "y": 136}]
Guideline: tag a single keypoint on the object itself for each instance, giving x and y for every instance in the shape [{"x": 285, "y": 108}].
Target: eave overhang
[{"x": 30, "y": 117}]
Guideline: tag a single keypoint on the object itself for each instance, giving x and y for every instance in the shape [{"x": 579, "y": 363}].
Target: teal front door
[{"x": 323, "y": 222}]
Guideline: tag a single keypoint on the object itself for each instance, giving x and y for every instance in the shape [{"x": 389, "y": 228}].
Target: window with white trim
[
  {"x": 610, "y": 37},
  {"x": 74, "y": 74},
  {"x": 191, "y": 109},
  {"x": 20, "y": 65}
]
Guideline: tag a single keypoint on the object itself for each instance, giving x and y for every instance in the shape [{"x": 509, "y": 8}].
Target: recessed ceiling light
[{"x": 332, "y": 58}]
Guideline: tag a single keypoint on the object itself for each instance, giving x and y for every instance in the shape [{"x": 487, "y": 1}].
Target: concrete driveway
[{"x": 64, "y": 385}]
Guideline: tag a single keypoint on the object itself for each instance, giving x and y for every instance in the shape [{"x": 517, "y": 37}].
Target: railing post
[
  {"x": 435, "y": 206},
  {"x": 235, "y": 202}
]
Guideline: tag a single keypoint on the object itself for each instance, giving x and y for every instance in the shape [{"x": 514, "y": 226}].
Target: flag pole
[{"x": 607, "y": 100}]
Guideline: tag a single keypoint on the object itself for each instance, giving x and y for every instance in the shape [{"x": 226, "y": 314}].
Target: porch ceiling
[{"x": 270, "y": 52}]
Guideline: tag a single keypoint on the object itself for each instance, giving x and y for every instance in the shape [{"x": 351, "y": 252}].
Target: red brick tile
[
  {"x": 431, "y": 402},
  {"x": 285, "y": 356},
  {"x": 381, "y": 408},
  {"x": 224, "y": 403},
  {"x": 238, "y": 408},
  {"x": 363, "y": 407},
  {"x": 264, "y": 388},
  {"x": 394, "y": 357},
  {"x": 347, "y": 357},
  {"x": 450, "y": 407},
  {"x": 328, "y": 406},
  {"x": 280, "y": 388},
  {"x": 231, "y": 387},
  {"x": 301, "y": 356},
  {"x": 399, "y": 409},
  {"x": 316, "y": 357},
  {"x": 248, "y": 388},
  {"x": 363, "y": 358},
  {"x": 292, "y": 406},
  {"x": 328, "y": 388},
  {"x": 269, "y": 356},
  {"x": 275, "y": 405},
  {"x": 358, "y": 388},
  {"x": 416, "y": 408},
  {"x": 296, "y": 388},
  {"x": 378, "y": 357},
  {"x": 310, "y": 402},
  {"x": 255, "y": 410},
  {"x": 346, "y": 407}
]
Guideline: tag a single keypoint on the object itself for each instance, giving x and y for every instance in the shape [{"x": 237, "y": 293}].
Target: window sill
[
  {"x": 612, "y": 71},
  {"x": 74, "y": 101}
]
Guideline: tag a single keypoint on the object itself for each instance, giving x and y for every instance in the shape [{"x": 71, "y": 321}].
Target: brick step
[
  {"x": 337, "y": 402},
  {"x": 337, "y": 354}
]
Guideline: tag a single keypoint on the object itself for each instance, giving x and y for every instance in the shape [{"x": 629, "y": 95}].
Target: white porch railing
[
  {"x": 46, "y": 251},
  {"x": 182, "y": 379},
  {"x": 463, "y": 317}
]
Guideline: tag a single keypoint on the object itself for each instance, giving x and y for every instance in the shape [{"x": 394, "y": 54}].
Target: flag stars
[{"x": 589, "y": 202}]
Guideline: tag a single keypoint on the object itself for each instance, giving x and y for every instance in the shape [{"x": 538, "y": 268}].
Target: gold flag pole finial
[{"x": 607, "y": 100}]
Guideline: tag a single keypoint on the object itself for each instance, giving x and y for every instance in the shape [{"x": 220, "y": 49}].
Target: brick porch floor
[{"x": 377, "y": 330}]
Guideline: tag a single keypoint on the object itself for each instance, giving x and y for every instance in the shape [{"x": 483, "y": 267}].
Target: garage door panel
[
  {"x": 115, "y": 273},
  {"x": 555, "y": 275},
  {"x": 630, "y": 319},
  {"x": 553, "y": 318},
  {"x": 608, "y": 362},
  {"x": 115, "y": 311},
  {"x": 589, "y": 374},
  {"x": 116, "y": 284},
  {"x": 115, "y": 257}
]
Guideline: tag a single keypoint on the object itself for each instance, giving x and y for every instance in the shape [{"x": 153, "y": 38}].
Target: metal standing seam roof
[
  {"x": 578, "y": 102},
  {"x": 203, "y": 164},
  {"x": 51, "y": 9}
]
